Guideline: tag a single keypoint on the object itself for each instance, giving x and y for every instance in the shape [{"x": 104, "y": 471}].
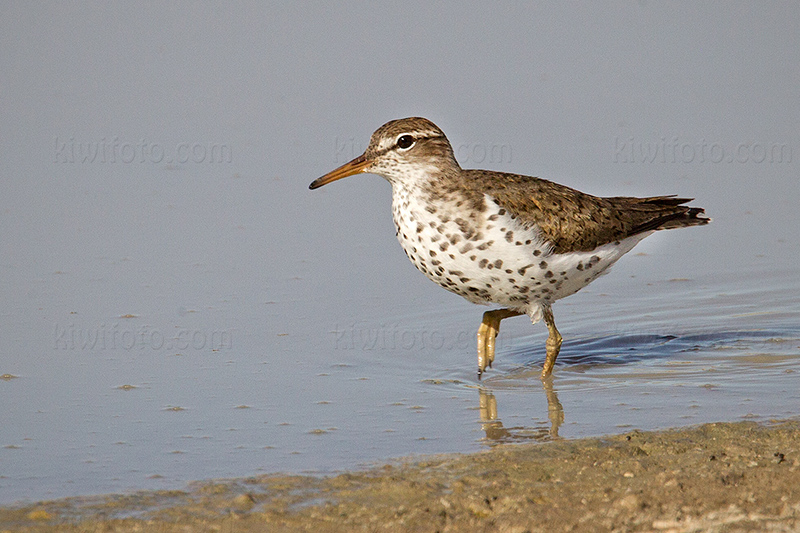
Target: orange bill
[{"x": 359, "y": 164}]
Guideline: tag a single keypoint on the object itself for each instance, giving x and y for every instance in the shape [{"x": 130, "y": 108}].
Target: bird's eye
[{"x": 404, "y": 142}]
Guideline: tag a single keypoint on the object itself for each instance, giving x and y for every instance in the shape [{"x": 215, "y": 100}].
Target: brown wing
[{"x": 575, "y": 221}]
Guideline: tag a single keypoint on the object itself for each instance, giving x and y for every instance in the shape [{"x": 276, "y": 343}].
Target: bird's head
[{"x": 404, "y": 151}]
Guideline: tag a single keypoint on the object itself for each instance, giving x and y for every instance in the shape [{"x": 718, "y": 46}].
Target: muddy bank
[{"x": 715, "y": 477}]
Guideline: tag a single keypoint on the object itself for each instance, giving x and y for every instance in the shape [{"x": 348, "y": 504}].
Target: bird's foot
[
  {"x": 553, "y": 344},
  {"x": 487, "y": 334}
]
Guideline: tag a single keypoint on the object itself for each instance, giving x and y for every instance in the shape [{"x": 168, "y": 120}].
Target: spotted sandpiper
[{"x": 505, "y": 239}]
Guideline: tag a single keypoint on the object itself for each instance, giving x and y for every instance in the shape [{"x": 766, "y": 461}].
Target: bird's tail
[
  {"x": 692, "y": 217},
  {"x": 668, "y": 212}
]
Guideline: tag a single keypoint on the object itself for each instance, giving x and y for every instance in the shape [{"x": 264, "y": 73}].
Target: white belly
[{"x": 492, "y": 259}]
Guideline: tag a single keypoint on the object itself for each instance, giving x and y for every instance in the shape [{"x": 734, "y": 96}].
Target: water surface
[
  {"x": 179, "y": 305},
  {"x": 285, "y": 393}
]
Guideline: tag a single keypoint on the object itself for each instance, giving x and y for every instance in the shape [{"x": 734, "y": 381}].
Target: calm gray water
[{"x": 177, "y": 305}]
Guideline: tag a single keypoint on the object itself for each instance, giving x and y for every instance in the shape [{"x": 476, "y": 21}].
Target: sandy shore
[{"x": 715, "y": 477}]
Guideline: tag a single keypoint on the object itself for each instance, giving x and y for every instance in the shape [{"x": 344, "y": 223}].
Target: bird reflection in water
[{"x": 496, "y": 433}]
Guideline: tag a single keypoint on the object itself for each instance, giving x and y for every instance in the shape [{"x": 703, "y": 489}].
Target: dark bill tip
[{"x": 359, "y": 164}]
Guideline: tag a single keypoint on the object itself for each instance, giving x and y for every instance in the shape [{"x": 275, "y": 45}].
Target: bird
[{"x": 517, "y": 243}]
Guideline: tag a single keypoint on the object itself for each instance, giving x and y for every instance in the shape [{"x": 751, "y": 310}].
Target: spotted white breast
[{"x": 491, "y": 258}]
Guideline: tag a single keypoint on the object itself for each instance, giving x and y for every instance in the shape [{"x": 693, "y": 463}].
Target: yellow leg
[
  {"x": 487, "y": 333},
  {"x": 553, "y": 344}
]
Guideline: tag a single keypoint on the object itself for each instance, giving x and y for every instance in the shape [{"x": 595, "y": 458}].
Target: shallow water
[
  {"x": 168, "y": 315},
  {"x": 255, "y": 338},
  {"x": 399, "y": 381}
]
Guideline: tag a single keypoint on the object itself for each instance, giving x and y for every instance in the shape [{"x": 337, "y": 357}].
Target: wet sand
[{"x": 715, "y": 477}]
